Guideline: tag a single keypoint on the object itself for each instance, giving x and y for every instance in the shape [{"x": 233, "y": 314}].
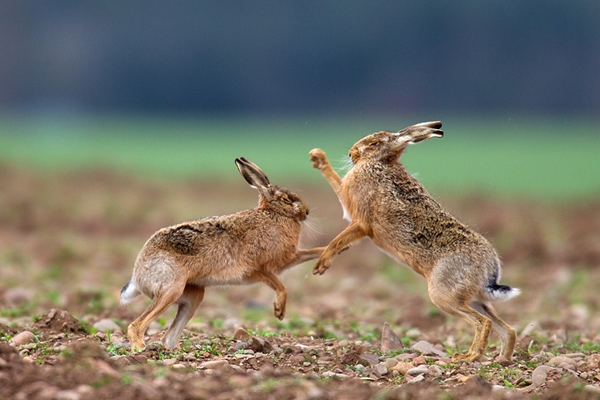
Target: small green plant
[
  {"x": 209, "y": 347},
  {"x": 116, "y": 350}
]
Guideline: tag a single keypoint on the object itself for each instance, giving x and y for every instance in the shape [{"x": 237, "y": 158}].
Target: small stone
[
  {"x": 371, "y": 358},
  {"x": 381, "y": 369},
  {"x": 259, "y": 345},
  {"x": 389, "y": 340},
  {"x": 241, "y": 334},
  {"x": 331, "y": 374},
  {"x": 169, "y": 361},
  {"x": 421, "y": 369},
  {"x": 555, "y": 361},
  {"x": 21, "y": 338},
  {"x": 418, "y": 378},
  {"x": 107, "y": 324},
  {"x": 434, "y": 371},
  {"x": 391, "y": 362},
  {"x": 214, "y": 364},
  {"x": 427, "y": 348},
  {"x": 539, "y": 375},
  {"x": 419, "y": 360},
  {"x": 343, "y": 343},
  {"x": 402, "y": 367}
]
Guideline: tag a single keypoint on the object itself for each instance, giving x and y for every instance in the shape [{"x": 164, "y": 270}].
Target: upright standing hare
[
  {"x": 384, "y": 202},
  {"x": 178, "y": 262}
]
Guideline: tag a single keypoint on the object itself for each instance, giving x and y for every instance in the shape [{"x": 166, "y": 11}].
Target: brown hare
[
  {"x": 178, "y": 262},
  {"x": 384, "y": 202}
]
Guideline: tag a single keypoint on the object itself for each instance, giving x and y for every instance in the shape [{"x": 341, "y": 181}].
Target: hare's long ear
[
  {"x": 253, "y": 175},
  {"x": 423, "y": 131}
]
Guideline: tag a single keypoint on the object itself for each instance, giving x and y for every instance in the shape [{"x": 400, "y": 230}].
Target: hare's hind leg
[
  {"x": 481, "y": 323},
  {"x": 159, "y": 304},
  {"x": 507, "y": 334},
  {"x": 187, "y": 304}
]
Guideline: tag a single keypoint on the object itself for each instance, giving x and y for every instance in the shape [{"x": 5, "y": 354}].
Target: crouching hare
[
  {"x": 178, "y": 262},
  {"x": 384, "y": 202}
]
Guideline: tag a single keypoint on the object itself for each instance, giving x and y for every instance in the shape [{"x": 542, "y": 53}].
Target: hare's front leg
[
  {"x": 274, "y": 283},
  {"x": 320, "y": 162},
  {"x": 340, "y": 243}
]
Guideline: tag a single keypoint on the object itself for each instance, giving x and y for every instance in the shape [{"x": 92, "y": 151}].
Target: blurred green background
[{"x": 178, "y": 90}]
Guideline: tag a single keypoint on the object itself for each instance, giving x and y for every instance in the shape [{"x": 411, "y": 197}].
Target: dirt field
[{"x": 68, "y": 243}]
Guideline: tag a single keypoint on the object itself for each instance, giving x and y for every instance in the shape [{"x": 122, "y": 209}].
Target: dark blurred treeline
[{"x": 528, "y": 56}]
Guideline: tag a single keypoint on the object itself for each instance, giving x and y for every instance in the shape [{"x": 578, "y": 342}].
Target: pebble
[
  {"x": 418, "y": 378},
  {"x": 107, "y": 324},
  {"x": 371, "y": 358},
  {"x": 21, "y": 338},
  {"x": 331, "y": 374},
  {"x": 241, "y": 334},
  {"x": 427, "y": 348},
  {"x": 389, "y": 340},
  {"x": 421, "y": 369},
  {"x": 539, "y": 375},
  {"x": 402, "y": 367},
  {"x": 557, "y": 360},
  {"x": 391, "y": 362},
  {"x": 381, "y": 369},
  {"x": 169, "y": 361},
  {"x": 214, "y": 364},
  {"x": 434, "y": 371}
]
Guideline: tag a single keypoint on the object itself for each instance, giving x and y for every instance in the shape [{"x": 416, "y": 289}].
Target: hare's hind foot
[
  {"x": 469, "y": 357},
  {"x": 136, "y": 340}
]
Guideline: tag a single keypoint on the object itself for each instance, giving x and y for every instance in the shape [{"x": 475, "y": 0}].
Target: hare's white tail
[
  {"x": 129, "y": 292},
  {"x": 496, "y": 292}
]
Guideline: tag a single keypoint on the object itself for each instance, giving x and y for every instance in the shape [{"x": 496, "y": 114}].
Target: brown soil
[{"x": 67, "y": 245}]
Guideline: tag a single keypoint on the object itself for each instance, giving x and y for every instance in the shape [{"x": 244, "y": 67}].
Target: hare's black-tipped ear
[
  {"x": 252, "y": 174},
  {"x": 423, "y": 131}
]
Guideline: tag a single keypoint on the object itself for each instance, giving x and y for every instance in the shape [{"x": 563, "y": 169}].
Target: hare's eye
[
  {"x": 286, "y": 200},
  {"x": 372, "y": 144}
]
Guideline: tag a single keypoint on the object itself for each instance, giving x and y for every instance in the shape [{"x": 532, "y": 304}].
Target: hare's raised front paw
[
  {"x": 321, "y": 266},
  {"x": 318, "y": 158}
]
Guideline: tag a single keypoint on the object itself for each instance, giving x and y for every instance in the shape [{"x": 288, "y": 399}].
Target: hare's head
[
  {"x": 280, "y": 200},
  {"x": 388, "y": 146}
]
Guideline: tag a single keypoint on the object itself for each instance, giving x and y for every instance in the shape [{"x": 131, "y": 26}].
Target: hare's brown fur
[
  {"x": 384, "y": 202},
  {"x": 177, "y": 263}
]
